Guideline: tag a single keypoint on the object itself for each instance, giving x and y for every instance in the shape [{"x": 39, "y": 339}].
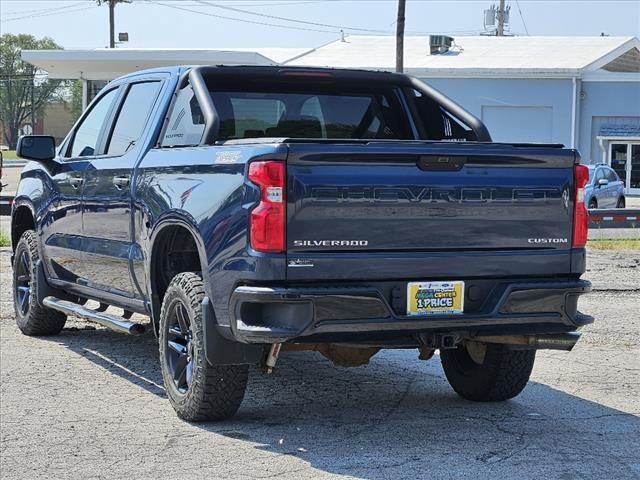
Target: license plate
[{"x": 435, "y": 298}]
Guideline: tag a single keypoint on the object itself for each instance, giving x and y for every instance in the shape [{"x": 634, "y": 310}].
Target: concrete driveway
[{"x": 89, "y": 403}]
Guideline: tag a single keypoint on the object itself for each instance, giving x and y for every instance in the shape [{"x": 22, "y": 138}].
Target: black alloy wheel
[
  {"x": 179, "y": 354},
  {"x": 23, "y": 283},
  {"x": 197, "y": 390},
  {"x": 32, "y": 317}
]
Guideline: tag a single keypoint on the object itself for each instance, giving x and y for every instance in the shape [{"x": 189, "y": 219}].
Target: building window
[
  {"x": 93, "y": 88},
  {"x": 624, "y": 158}
]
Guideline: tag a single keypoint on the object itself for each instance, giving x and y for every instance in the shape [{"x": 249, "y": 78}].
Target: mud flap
[{"x": 220, "y": 351}]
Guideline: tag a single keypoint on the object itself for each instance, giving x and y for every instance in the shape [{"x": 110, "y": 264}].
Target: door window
[
  {"x": 611, "y": 175},
  {"x": 87, "y": 135},
  {"x": 132, "y": 117},
  {"x": 599, "y": 176},
  {"x": 619, "y": 159},
  {"x": 635, "y": 166}
]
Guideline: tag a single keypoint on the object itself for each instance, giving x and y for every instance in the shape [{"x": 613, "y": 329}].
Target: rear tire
[
  {"x": 197, "y": 390},
  {"x": 621, "y": 203},
  {"x": 487, "y": 372},
  {"x": 31, "y": 317}
]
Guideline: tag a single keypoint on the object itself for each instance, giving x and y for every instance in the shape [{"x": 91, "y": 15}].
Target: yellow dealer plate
[{"x": 429, "y": 298}]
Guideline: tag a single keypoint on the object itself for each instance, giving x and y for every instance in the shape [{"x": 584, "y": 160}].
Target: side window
[
  {"x": 599, "y": 175},
  {"x": 440, "y": 124},
  {"x": 132, "y": 117},
  {"x": 186, "y": 122},
  {"x": 611, "y": 175},
  {"x": 87, "y": 135}
]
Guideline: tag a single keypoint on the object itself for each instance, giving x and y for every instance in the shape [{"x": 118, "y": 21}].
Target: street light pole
[{"x": 402, "y": 4}]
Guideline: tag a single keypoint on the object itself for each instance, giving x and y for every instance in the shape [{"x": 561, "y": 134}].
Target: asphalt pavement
[{"x": 89, "y": 404}]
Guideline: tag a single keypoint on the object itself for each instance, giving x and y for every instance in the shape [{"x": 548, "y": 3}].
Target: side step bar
[{"x": 106, "y": 320}]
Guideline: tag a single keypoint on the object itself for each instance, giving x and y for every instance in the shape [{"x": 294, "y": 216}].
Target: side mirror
[
  {"x": 602, "y": 182},
  {"x": 40, "y": 148}
]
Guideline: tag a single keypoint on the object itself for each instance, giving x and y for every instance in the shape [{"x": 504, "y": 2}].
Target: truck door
[
  {"x": 62, "y": 239},
  {"x": 107, "y": 199}
]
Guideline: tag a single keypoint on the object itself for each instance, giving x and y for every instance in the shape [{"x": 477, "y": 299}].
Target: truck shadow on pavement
[{"x": 395, "y": 418}]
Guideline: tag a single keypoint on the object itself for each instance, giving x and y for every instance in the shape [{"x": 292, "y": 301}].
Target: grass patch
[
  {"x": 5, "y": 241},
  {"x": 615, "y": 244},
  {"x": 9, "y": 155}
]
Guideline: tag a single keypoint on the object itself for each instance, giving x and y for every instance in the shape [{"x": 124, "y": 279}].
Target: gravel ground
[{"x": 89, "y": 403}]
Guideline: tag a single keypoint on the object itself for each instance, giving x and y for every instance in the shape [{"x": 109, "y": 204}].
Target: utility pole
[
  {"x": 33, "y": 110},
  {"x": 500, "y": 30},
  {"x": 112, "y": 26},
  {"x": 402, "y": 4},
  {"x": 112, "y": 18}
]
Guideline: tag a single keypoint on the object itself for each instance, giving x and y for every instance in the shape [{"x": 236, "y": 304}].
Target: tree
[
  {"x": 24, "y": 89},
  {"x": 75, "y": 98}
]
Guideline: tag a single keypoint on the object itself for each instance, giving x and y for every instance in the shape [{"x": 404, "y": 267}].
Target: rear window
[{"x": 310, "y": 114}]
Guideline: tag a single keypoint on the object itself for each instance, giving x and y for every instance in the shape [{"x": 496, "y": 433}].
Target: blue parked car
[{"x": 604, "y": 188}]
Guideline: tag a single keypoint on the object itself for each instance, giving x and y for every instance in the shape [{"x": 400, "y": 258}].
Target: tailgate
[{"x": 402, "y": 202}]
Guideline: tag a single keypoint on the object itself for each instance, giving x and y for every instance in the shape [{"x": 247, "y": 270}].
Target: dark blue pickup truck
[{"x": 249, "y": 210}]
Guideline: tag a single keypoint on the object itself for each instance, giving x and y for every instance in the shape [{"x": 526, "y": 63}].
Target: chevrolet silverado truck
[{"x": 252, "y": 210}]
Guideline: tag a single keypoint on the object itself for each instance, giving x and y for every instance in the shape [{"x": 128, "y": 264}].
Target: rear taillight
[
  {"x": 267, "y": 222},
  {"x": 580, "y": 213}
]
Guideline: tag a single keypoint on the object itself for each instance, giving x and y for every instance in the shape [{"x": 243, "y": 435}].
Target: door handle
[
  {"x": 121, "y": 181},
  {"x": 75, "y": 182}
]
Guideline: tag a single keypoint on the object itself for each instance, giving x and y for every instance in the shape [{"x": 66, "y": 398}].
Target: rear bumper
[{"x": 262, "y": 314}]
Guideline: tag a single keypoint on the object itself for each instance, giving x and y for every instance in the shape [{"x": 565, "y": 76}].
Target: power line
[
  {"x": 293, "y": 20},
  {"x": 307, "y": 2},
  {"x": 337, "y": 27},
  {"x": 254, "y": 22},
  {"x": 40, "y": 10},
  {"x": 49, "y": 14},
  {"x": 522, "y": 18}
]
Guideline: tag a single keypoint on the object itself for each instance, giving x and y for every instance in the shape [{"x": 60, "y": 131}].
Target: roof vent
[{"x": 439, "y": 44}]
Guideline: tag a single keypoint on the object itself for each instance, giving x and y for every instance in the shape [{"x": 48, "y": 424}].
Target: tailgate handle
[{"x": 441, "y": 162}]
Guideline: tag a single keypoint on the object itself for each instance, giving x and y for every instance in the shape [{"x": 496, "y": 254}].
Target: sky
[{"x": 81, "y": 24}]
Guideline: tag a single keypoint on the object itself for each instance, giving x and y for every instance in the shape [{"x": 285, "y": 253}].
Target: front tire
[
  {"x": 32, "y": 318},
  {"x": 593, "y": 203},
  {"x": 487, "y": 372},
  {"x": 197, "y": 390}
]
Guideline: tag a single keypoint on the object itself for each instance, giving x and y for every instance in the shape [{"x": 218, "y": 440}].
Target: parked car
[
  {"x": 250, "y": 210},
  {"x": 604, "y": 189}
]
